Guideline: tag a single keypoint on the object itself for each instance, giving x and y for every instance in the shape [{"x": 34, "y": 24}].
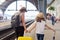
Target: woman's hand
[
  {"x": 26, "y": 30},
  {"x": 29, "y": 31}
]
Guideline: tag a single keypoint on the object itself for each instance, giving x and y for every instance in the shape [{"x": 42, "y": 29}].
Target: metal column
[{"x": 42, "y": 4}]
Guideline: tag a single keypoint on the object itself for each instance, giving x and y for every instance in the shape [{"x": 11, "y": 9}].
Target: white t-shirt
[{"x": 40, "y": 26}]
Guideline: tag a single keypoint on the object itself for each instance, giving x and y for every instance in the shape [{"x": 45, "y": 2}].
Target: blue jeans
[
  {"x": 40, "y": 36},
  {"x": 53, "y": 22}
]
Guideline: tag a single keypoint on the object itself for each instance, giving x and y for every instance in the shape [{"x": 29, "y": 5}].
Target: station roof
[{"x": 5, "y": 4}]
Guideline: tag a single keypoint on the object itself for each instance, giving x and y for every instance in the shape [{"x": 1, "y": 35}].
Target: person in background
[
  {"x": 48, "y": 16},
  {"x": 53, "y": 19},
  {"x": 48, "y": 19},
  {"x": 40, "y": 26}
]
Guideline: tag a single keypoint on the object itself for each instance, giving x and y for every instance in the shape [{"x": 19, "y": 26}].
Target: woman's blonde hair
[{"x": 40, "y": 16}]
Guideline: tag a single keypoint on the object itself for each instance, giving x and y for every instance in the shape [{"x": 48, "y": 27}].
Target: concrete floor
[{"x": 49, "y": 34}]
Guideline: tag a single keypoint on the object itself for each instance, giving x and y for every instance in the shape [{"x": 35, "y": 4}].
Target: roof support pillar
[{"x": 42, "y": 4}]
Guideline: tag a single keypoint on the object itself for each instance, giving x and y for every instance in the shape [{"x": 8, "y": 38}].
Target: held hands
[{"x": 27, "y": 31}]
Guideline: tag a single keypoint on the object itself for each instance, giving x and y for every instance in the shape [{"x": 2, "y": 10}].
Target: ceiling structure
[{"x": 5, "y": 4}]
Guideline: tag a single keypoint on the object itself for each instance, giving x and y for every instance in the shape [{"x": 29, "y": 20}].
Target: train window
[{"x": 1, "y": 16}]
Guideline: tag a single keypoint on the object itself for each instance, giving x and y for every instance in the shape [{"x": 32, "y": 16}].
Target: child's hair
[{"x": 40, "y": 17}]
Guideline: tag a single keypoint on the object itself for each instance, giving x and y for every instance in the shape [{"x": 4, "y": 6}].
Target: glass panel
[
  {"x": 30, "y": 15},
  {"x": 30, "y": 6},
  {"x": 21, "y": 4},
  {"x": 9, "y": 14},
  {"x": 1, "y": 1},
  {"x": 49, "y": 1},
  {"x": 12, "y": 9}
]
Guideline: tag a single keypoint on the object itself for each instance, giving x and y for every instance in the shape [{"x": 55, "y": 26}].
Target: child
[{"x": 40, "y": 25}]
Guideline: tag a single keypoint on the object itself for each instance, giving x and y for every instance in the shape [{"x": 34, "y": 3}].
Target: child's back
[{"x": 40, "y": 27}]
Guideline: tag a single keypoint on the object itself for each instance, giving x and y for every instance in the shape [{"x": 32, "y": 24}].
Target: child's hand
[{"x": 54, "y": 31}]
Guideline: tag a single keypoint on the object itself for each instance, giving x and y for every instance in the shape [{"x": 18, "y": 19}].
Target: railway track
[{"x": 9, "y": 34}]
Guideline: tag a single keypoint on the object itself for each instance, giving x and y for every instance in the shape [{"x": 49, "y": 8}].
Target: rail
[{"x": 6, "y": 34}]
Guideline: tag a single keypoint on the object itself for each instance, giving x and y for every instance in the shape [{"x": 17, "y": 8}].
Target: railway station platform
[{"x": 49, "y": 34}]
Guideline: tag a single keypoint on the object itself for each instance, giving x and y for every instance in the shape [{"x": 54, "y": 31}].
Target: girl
[{"x": 40, "y": 25}]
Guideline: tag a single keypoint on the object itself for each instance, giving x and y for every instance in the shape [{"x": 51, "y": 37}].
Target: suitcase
[{"x": 24, "y": 38}]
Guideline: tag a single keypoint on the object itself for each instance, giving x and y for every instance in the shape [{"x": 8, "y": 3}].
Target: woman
[
  {"x": 21, "y": 26},
  {"x": 40, "y": 25}
]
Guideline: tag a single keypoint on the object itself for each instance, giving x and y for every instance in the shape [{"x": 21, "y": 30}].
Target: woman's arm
[
  {"x": 49, "y": 27},
  {"x": 23, "y": 21}
]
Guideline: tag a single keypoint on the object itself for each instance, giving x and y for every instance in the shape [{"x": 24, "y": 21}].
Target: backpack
[{"x": 15, "y": 22}]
